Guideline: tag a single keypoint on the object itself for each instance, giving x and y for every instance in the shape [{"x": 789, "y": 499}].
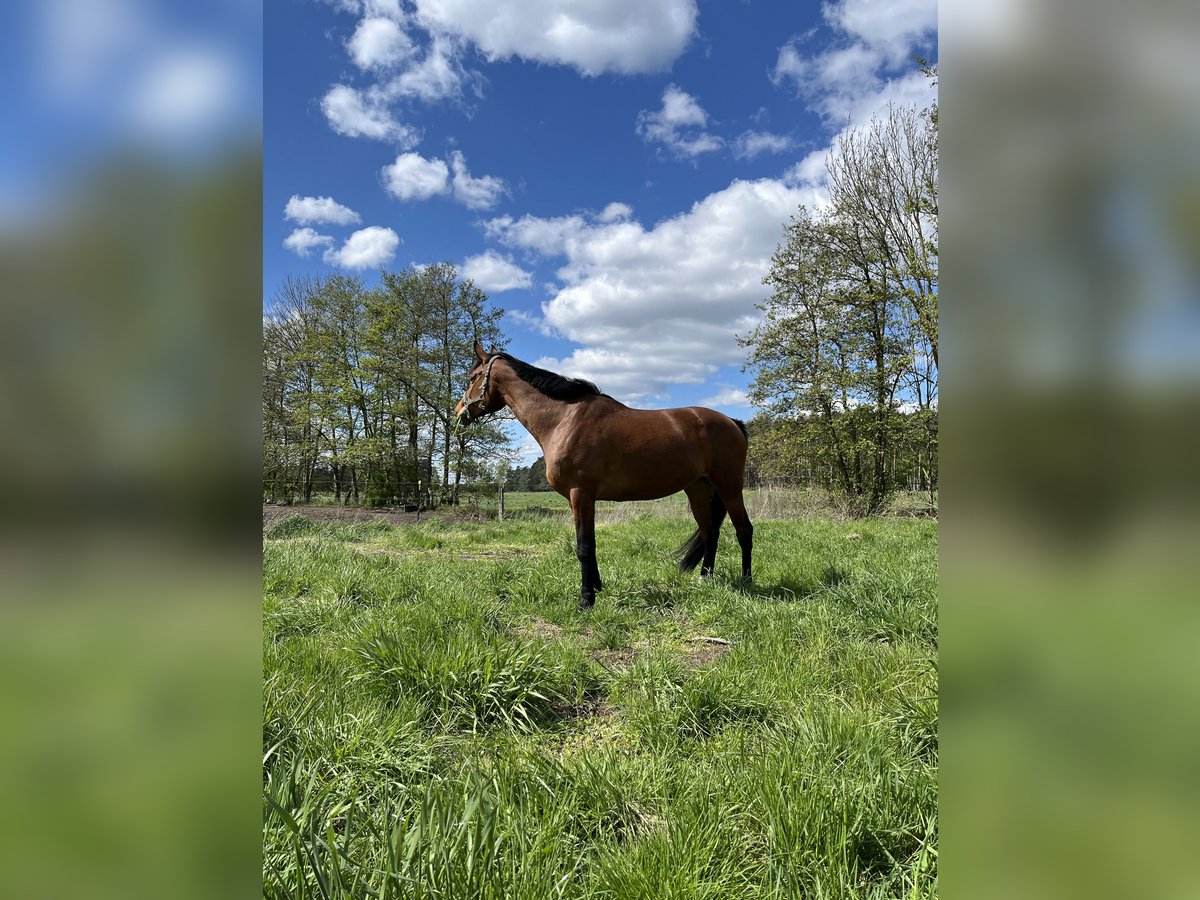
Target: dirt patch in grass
[
  {"x": 538, "y": 630},
  {"x": 597, "y": 723},
  {"x": 695, "y": 652},
  {"x": 701, "y": 650},
  {"x": 593, "y": 706},
  {"x": 620, "y": 660}
]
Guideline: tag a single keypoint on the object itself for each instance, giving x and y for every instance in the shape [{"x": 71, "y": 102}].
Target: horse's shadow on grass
[{"x": 790, "y": 589}]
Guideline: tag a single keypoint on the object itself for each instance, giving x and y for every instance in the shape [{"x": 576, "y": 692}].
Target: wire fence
[{"x": 774, "y": 498}]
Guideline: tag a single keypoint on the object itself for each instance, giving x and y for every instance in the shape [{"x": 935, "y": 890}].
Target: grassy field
[{"x": 441, "y": 721}]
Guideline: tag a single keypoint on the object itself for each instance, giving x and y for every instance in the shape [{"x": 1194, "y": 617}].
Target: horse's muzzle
[{"x": 464, "y": 419}]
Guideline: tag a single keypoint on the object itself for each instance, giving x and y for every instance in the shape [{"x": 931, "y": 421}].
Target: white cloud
[
  {"x": 678, "y": 125},
  {"x": 868, "y": 64},
  {"x": 892, "y": 25},
  {"x": 750, "y": 144},
  {"x": 315, "y": 210},
  {"x": 352, "y": 114},
  {"x": 636, "y": 376},
  {"x": 728, "y": 397},
  {"x": 837, "y": 82},
  {"x": 544, "y": 236},
  {"x": 530, "y": 321},
  {"x": 476, "y": 193},
  {"x": 789, "y": 64},
  {"x": 615, "y": 212},
  {"x": 849, "y": 69},
  {"x": 378, "y": 43},
  {"x": 809, "y": 171},
  {"x": 366, "y": 248},
  {"x": 437, "y": 76},
  {"x": 624, "y": 36},
  {"x": 389, "y": 8},
  {"x": 680, "y": 109},
  {"x": 660, "y": 306},
  {"x": 302, "y": 240},
  {"x": 412, "y": 177},
  {"x": 493, "y": 272},
  {"x": 700, "y": 143}
]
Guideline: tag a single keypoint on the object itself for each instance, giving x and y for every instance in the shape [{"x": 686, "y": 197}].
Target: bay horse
[{"x": 597, "y": 448}]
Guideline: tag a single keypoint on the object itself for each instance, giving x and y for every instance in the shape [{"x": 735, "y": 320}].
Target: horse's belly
[
  {"x": 638, "y": 494},
  {"x": 646, "y": 483}
]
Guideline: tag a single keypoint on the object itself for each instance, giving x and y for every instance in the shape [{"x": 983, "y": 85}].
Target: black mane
[{"x": 554, "y": 386}]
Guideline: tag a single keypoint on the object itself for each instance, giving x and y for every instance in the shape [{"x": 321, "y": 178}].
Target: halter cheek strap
[{"x": 483, "y": 387}]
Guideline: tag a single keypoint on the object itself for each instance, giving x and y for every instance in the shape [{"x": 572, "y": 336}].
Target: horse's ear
[{"x": 479, "y": 352}]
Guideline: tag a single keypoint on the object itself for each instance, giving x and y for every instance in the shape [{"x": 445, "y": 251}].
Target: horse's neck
[{"x": 537, "y": 412}]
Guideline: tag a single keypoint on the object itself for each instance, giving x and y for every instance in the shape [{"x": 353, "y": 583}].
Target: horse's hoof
[{"x": 586, "y": 602}]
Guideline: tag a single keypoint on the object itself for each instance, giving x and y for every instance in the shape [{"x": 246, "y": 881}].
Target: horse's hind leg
[
  {"x": 741, "y": 526},
  {"x": 700, "y": 497}
]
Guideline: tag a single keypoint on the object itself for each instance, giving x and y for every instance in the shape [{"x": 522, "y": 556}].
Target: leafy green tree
[
  {"x": 457, "y": 315},
  {"x": 848, "y": 338},
  {"x": 358, "y": 386},
  {"x": 537, "y": 475},
  {"x": 290, "y": 432},
  {"x": 884, "y": 177},
  {"x": 517, "y": 479}
]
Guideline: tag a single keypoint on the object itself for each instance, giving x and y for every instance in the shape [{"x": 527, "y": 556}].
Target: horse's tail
[
  {"x": 742, "y": 425},
  {"x": 691, "y": 551}
]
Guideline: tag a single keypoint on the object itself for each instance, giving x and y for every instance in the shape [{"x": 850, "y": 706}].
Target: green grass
[{"x": 441, "y": 721}]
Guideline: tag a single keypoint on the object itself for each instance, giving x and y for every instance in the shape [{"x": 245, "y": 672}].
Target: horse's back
[{"x": 637, "y": 454}]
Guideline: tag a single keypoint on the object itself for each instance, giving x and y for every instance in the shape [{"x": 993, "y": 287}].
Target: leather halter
[{"x": 483, "y": 387}]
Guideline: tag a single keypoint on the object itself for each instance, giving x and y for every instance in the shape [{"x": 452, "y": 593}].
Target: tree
[
  {"x": 848, "y": 340},
  {"x": 359, "y": 384},
  {"x": 458, "y": 315},
  {"x": 517, "y": 479},
  {"x": 884, "y": 177},
  {"x": 289, "y": 432},
  {"x": 537, "y": 475}
]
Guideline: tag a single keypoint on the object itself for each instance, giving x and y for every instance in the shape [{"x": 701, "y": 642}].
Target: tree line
[
  {"x": 845, "y": 357},
  {"x": 359, "y": 386},
  {"x": 527, "y": 478}
]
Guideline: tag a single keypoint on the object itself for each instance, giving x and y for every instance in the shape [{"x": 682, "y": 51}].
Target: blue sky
[{"x": 615, "y": 175}]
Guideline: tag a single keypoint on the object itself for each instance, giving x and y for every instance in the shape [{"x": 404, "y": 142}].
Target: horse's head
[{"x": 480, "y": 397}]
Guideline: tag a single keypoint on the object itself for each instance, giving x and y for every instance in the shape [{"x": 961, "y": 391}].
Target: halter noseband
[{"x": 483, "y": 387}]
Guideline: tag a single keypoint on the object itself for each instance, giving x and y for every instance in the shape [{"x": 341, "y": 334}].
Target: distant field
[{"x": 440, "y": 720}]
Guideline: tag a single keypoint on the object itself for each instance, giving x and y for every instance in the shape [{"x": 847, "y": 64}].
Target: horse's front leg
[{"x": 583, "y": 508}]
